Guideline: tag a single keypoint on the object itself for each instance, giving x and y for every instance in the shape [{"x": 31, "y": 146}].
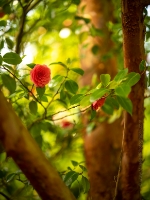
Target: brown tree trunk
[
  {"x": 102, "y": 146},
  {"x": 19, "y": 144},
  {"x": 133, "y": 42}
]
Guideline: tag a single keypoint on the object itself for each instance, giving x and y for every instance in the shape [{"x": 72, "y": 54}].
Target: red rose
[
  {"x": 40, "y": 75},
  {"x": 66, "y": 124},
  {"x": 98, "y": 103}
]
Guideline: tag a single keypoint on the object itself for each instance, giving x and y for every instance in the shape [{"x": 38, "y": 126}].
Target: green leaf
[
  {"x": 56, "y": 80},
  {"x": 85, "y": 184},
  {"x": 70, "y": 177},
  {"x": 9, "y": 83},
  {"x": 33, "y": 107},
  {"x": 113, "y": 84},
  {"x": 78, "y": 71},
  {"x": 3, "y": 23},
  {"x": 121, "y": 74},
  {"x": 85, "y": 101},
  {"x": 105, "y": 79},
  {"x": 74, "y": 163},
  {"x": 83, "y": 36},
  {"x": 107, "y": 108},
  {"x": 95, "y": 49},
  {"x": 10, "y": 177},
  {"x": 142, "y": 65},
  {"x": 82, "y": 167},
  {"x": 9, "y": 42},
  {"x": 123, "y": 90},
  {"x": 125, "y": 103},
  {"x": 93, "y": 114},
  {"x": 12, "y": 58},
  {"x": 44, "y": 98},
  {"x": 58, "y": 63},
  {"x": 1, "y": 60},
  {"x": 40, "y": 91},
  {"x": 71, "y": 86},
  {"x": 1, "y": 44},
  {"x": 112, "y": 102},
  {"x": 98, "y": 94},
  {"x": 132, "y": 78},
  {"x": 76, "y": 99},
  {"x": 31, "y": 65}
]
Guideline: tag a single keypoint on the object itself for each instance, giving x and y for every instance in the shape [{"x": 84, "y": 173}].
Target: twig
[
  {"x": 120, "y": 163},
  {"x": 69, "y": 114},
  {"x": 4, "y": 195}
]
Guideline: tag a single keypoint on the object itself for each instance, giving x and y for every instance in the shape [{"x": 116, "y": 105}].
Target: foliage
[{"x": 43, "y": 110}]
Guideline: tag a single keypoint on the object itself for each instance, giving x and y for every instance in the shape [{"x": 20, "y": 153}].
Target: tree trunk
[
  {"x": 133, "y": 42},
  {"x": 102, "y": 146},
  {"x": 19, "y": 144}
]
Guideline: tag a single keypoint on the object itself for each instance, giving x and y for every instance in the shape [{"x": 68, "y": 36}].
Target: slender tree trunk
[
  {"x": 133, "y": 42},
  {"x": 102, "y": 146}
]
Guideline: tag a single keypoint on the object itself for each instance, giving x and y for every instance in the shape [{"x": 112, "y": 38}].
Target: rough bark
[
  {"x": 133, "y": 42},
  {"x": 102, "y": 146},
  {"x": 19, "y": 144}
]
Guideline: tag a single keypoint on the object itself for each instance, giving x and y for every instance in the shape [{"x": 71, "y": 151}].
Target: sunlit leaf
[
  {"x": 76, "y": 99},
  {"x": 1, "y": 59},
  {"x": 74, "y": 163},
  {"x": 9, "y": 83},
  {"x": 132, "y": 78},
  {"x": 3, "y": 23},
  {"x": 33, "y": 107},
  {"x": 121, "y": 74},
  {"x": 31, "y": 65},
  {"x": 9, "y": 42},
  {"x": 78, "y": 71},
  {"x": 12, "y": 58},
  {"x": 98, "y": 94},
  {"x": 40, "y": 91},
  {"x": 59, "y": 63},
  {"x": 71, "y": 86},
  {"x": 82, "y": 167},
  {"x": 56, "y": 80},
  {"x": 70, "y": 177},
  {"x": 142, "y": 66},
  {"x": 85, "y": 184},
  {"x": 123, "y": 90},
  {"x": 105, "y": 79},
  {"x": 125, "y": 103}
]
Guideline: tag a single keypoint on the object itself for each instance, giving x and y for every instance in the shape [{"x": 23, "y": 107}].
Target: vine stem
[{"x": 120, "y": 163}]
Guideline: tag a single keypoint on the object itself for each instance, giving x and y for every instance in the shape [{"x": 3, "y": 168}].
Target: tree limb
[{"x": 19, "y": 144}]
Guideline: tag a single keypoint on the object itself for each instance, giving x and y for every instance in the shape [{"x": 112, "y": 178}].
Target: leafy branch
[{"x": 30, "y": 91}]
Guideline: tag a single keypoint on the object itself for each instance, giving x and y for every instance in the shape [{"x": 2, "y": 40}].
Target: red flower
[
  {"x": 40, "y": 75},
  {"x": 66, "y": 124},
  {"x": 98, "y": 103}
]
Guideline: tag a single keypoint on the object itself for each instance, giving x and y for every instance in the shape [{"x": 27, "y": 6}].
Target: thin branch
[
  {"x": 30, "y": 91},
  {"x": 120, "y": 163},
  {"x": 20, "y": 33},
  {"x": 32, "y": 5},
  {"x": 4, "y": 195},
  {"x": 81, "y": 111}
]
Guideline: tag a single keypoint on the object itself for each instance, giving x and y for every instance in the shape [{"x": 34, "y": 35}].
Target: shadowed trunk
[
  {"x": 133, "y": 41},
  {"x": 102, "y": 146}
]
